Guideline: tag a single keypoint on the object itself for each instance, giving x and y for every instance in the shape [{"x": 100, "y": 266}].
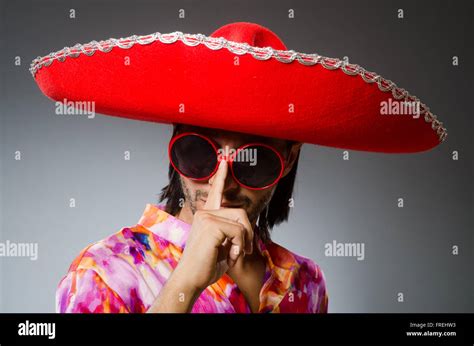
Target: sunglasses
[{"x": 255, "y": 166}]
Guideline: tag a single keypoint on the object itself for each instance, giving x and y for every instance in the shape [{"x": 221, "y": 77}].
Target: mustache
[{"x": 231, "y": 196}]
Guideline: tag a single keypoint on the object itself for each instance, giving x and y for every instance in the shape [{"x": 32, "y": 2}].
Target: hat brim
[{"x": 212, "y": 82}]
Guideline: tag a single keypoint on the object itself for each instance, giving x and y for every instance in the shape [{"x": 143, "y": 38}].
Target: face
[{"x": 234, "y": 195}]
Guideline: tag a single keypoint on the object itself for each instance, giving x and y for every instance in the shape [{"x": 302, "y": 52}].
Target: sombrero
[{"x": 240, "y": 78}]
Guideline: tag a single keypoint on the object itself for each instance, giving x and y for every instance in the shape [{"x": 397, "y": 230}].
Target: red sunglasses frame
[{"x": 230, "y": 159}]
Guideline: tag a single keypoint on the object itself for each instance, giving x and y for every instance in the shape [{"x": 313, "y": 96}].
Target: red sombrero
[{"x": 242, "y": 78}]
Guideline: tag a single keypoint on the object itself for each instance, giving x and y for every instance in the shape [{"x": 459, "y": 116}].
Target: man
[
  {"x": 209, "y": 254},
  {"x": 227, "y": 210},
  {"x": 242, "y": 106}
]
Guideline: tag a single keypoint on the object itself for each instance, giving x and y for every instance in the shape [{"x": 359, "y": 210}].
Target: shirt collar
[{"x": 165, "y": 225}]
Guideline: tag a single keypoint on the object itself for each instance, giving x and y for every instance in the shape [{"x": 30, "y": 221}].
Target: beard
[{"x": 252, "y": 208}]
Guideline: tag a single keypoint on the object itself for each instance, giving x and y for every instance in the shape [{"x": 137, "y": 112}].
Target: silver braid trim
[{"x": 213, "y": 43}]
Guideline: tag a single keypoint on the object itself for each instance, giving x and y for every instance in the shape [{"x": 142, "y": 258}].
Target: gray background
[{"x": 407, "y": 250}]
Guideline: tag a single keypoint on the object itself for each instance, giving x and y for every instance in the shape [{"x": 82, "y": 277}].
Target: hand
[{"x": 218, "y": 237}]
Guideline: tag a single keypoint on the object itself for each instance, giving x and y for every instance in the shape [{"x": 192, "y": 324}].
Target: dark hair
[{"x": 276, "y": 211}]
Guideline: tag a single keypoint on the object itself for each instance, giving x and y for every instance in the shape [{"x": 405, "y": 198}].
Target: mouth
[
  {"x": 230, "y": 205},
  {"x": 227, "y": 204}
]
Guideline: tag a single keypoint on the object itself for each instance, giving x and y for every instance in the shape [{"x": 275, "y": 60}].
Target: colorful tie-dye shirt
[{"x": 125, "y": 272}]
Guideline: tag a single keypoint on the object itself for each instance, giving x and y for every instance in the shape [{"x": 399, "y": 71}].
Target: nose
[{"x": 229, "y": 183}]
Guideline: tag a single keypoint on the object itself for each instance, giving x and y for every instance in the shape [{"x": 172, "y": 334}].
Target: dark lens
[
  {"x": 194, "y": 156},
  {"x": 257, "y": 166}
]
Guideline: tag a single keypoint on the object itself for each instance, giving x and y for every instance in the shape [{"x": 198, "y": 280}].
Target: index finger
[{"x": 214, "y": 198}]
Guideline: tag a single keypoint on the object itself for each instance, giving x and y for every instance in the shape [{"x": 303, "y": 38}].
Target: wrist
[{"x": 181, "y": 280}]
